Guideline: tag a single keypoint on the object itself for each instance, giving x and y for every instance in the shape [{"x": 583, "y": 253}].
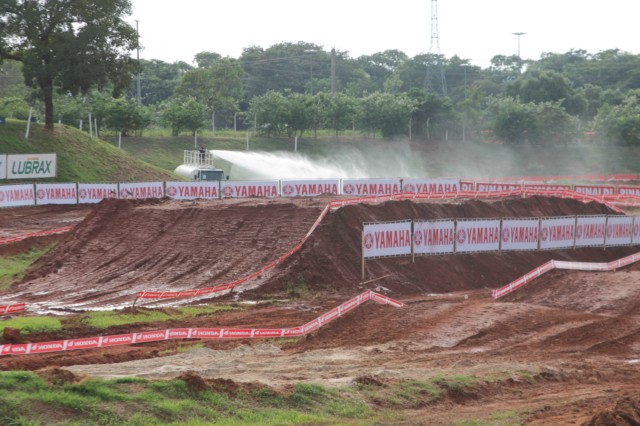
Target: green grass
[
  {"x": 105, "y": 319},
  {"x": 13, "y": 268},
  {"x": 80, "y": 158},
  {"x": 28, "y": 399},
  {"x": 29, "y": 325}
]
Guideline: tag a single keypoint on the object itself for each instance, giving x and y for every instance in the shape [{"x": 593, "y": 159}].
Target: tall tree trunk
[{"x": 47, "y": 90}]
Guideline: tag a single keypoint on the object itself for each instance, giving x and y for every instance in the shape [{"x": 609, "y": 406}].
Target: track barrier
[
  {"x": 17, "y": 238},
  {"x": 198, "y": 333},
  {"x": 12, "y": 309},
  {"x": 560, "y": 264}
]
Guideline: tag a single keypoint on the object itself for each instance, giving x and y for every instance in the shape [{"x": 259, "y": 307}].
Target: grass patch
[
  {"x": 297, "y": 287},
  {"x": 13, "y": 268},
  {"x": 105, "y": 319},
  {"x": 29, "y": 325}
]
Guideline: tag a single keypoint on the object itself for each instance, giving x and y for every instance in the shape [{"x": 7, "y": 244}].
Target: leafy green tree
[
  {"x": 271, "y": 112},
  {"x": 431, "y": 115},
  {"x": 184, "y": 114},
  {"x": 70, "y": 109},
  {"x": 159, "y": 80},
  {"x": 621, "y": 123},
  {"x": 70, "y": 45},
  {"x": 387, "y": 113},
  {"x": 219, "y": 87},
  {"x": 541, "y": 86},
  {"x": 11, "y": 79},
  {"x": 14, "y": 106},
  {"x": 207, "y": 59},
  {"x": 126, "y": 116}
]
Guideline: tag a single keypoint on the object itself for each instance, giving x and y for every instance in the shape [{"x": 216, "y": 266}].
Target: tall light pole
[
  {"x": 310, "y": 52},
  {"x": 519, "y": 34},
  {"x": 138, "y": 90}
]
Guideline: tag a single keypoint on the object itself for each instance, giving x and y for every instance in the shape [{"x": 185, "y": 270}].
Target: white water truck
[{"x": 198, "y": 166}]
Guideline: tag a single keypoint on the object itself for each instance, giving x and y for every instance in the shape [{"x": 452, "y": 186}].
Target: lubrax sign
[{"x": 30, "y": 166}]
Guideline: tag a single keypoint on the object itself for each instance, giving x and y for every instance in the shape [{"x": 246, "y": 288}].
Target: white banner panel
[
  {"x": 519, "y": 234},
  {"x": 590, "y": 231},
  {"x": 246, "y": 189},
  {"x": 434, "y": 236},
  {"x": 542, "y": 187},
  {"x": 386, "y": 239},
  {"x": 139, "y": 190},
  {"x": 477, "y": 235},
  {"x": 467, "y": 186},
  {"x": 3, "y": 166},
  {"x": 310, "y": 187},
  {"x": 368, "y": 187},
  {"x": 636, "y": 231},
  {"x": 29, "y": 166},
  {"x": 56, "y": 193},
  {"x": 595, "y": 189},
  {"x": 430, "y": 186},
  {"x": 557, "y": 232},
  {"x": 17, "y": 195},
  {"x": 96, "y": 192},
  {"x": 629, "y": 190},
  {"x": 193, "y": 190},
  {"x": 619, "y": 231},
  {"x": 493, "y": 186}
]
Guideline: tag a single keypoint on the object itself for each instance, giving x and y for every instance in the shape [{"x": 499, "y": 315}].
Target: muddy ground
[{"x": 576, "y": 333}]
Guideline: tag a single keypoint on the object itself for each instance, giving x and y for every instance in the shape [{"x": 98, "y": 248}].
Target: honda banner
[
  {"x": 519, "y": 234},
  {"x": 386, "y": 239},
  {"x": 477, "y": 235},
  {"x": 557, "y": 232},
  {"x": 434, "y": 236}
]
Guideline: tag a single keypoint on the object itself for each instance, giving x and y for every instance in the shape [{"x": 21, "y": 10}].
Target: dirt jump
[{"x": 577, "y": 334}]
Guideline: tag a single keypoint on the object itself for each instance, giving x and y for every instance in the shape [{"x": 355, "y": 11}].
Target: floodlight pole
[
  {"x": 138, "y": 90},
  {"x": 519, "y": 34}
]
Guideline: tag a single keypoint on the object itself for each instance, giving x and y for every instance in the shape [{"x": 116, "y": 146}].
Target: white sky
[{"x": 472, "y": 29}]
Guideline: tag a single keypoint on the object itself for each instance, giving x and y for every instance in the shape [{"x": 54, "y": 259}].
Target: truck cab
[{"x": 199, "y": 165}]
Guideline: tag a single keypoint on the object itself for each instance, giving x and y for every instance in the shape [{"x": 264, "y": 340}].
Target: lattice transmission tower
[{"x": 435, "y": 43}]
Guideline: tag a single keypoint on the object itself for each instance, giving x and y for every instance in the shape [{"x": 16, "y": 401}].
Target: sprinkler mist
[{"x": 285, "y": 165}]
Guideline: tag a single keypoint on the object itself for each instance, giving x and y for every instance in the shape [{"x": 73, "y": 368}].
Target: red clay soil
[{"x": 577, "y": 334}]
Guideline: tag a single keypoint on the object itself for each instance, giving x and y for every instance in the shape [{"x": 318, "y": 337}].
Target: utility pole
[{"x": 138, "y": 90}]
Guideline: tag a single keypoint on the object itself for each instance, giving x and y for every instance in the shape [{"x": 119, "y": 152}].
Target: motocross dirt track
[{"x": 577, "y": 333}]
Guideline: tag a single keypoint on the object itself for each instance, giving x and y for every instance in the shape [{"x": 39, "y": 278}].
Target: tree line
[{"x": 70, "y": 58}]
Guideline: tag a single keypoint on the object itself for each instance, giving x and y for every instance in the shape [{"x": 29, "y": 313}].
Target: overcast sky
[{"x": 477, "y": 30}]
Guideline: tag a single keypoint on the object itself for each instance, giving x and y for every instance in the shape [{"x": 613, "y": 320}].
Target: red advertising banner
[
  {"x": 96, "y": 192},
  {"x": 310, "y": 187},
  {"x": 477, "y": 235},
  {"x": 434, "y": 236},
  {"x": 56, "y": 193},
  {"x": 197, "y": 333},
  {"x": 519, "y": 234},
  {"x": 496, "y": 187},
  {"x": 549, "y": 187}
]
